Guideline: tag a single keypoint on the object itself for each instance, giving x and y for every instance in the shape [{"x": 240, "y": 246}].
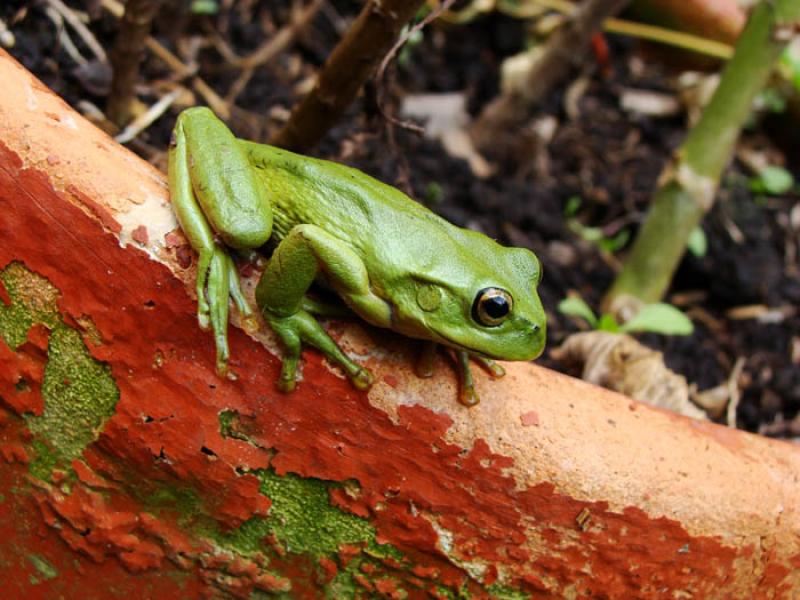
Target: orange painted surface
[{"x": 549, "y": 486}]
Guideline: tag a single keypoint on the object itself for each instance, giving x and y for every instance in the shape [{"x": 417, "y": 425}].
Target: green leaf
[
  {"x": 697, "y": 242},
  {"x": 660, "y": 318},
  {"x": 576, "y": 307},
  {"x": 433, "y": 193},
  {"x": 572, "y": 206},
  {"x": 608, "y": 323},
  {"x": 615, "y": 243},
  {"x": 772, "y": 180},
  {"x": 205, "y": 7}
]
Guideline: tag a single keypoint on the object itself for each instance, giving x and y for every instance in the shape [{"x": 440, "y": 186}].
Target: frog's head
[{"x": 484, "y": 302}]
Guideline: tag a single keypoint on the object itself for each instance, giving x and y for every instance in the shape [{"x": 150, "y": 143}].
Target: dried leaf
[{"x": 620, "y": 363}]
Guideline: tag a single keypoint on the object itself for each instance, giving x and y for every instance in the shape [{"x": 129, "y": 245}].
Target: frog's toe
[
  {"x": 204, "y": 320},
  {"x": 425, "y": 365},
  {"x": 494, "y": 370},
  {"x": 468, "y": 396},
  {"x": 286, "y": 383},
  {"x": 250, "y": 324},
  {"x": 362, "y": 379}
]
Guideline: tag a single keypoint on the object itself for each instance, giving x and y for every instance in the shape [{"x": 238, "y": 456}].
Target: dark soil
[{"x": 603, "y": 155}]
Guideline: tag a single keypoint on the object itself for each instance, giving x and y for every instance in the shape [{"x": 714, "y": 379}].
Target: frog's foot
[
  {"x": 495, "y": 371},
  {"x": 300, "y": 327},
  {"x": 217, "y": 284},
  {"x": 426, "y": 360},
  {"x": 467, "y": 394}
]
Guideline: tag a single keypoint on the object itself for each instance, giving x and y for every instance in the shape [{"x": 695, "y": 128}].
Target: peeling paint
[
  {"x": 190, "y": 470},
  {"x": 78, "y": 392}
]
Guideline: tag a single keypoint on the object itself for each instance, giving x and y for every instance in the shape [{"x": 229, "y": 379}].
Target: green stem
[{"x": 688, "y": 185}]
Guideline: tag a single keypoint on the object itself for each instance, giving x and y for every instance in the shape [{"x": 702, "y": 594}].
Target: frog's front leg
[
  {"x": 294, "y": 265},
  {"x": 467, "y": 394}
]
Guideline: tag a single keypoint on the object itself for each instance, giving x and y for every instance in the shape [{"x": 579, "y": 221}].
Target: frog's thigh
[{"x": 295, "y": 264}]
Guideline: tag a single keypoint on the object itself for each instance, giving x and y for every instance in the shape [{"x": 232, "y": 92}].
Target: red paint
[
  {"x": 326, "y": 429},
  {"x": 4, "y": 297},
  {"x": 140, "y": 235},
  {"x": 23, "y": 371},
  {"x": 529, "y": 419},
  {"x": 329, "y": 567},
  {"x": 25, "y": 534}
]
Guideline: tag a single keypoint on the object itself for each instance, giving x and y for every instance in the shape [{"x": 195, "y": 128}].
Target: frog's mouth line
[{"x": 450, "y": 343}]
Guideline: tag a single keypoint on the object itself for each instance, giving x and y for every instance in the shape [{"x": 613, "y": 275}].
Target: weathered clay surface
[{"x": 128, "y": 464}]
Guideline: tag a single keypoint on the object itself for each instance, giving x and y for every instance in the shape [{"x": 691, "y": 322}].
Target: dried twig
[
  {"x": 270, "y": 49},
  {"x": 182, "y": 70},
  {"x": 147, "y": 118},
  {"x": 350, "y": 64},
  {"x": 445, "y": 5},
  {"x": 87, "y": 36},
  {"x": 63, "y": 37}
]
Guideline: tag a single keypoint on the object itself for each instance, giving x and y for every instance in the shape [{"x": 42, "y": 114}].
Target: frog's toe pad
[
  {"x": 469, "y": 397},
  {"x": 286, "y": 384},
  {"x": 362, "y": 379}
]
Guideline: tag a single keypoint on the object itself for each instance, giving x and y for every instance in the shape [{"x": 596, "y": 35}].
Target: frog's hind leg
[
  {"x": 214, "y": 194},
  {"x": 280, "y": 294}
]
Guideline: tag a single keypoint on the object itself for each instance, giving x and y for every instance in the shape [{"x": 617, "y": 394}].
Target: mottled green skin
[{"x": 394, "y": 262}]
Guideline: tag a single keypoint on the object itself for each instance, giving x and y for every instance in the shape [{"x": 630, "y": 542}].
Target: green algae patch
[
  {"x": 79, "y": 395},
  {"x": 79, "y": 392},
  {"x": 502, "y": 592},
  {"x": 301, "y": 518},
  {"x": 181, "y": 500},
  {"x": 33, "y": 300},
  {"x": 45, "y": 569}
]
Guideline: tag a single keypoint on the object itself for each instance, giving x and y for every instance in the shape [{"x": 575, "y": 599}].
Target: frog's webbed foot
[
  {"x": 217, "y": 284},
  {"x": 301, "y": 327}
]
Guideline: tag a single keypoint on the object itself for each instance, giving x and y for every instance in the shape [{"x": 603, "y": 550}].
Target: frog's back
[{"x": 377, "y": 220}]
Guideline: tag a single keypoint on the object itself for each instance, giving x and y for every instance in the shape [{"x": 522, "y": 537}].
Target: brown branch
[
  {"x": 127, "y": 55},
  {"x": 352, "y": 62}
]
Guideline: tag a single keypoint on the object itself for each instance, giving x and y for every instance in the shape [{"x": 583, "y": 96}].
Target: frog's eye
[{"x": 492, "y": 306}]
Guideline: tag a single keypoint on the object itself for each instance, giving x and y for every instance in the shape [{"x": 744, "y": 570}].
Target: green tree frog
[{"x": 392, "y": 261}]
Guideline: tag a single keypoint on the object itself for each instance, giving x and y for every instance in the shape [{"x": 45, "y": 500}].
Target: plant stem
[
  {"x": 689, "y": 183},
  {"x": 352, "y": 62},
  {"x": 126, "y": 56}
]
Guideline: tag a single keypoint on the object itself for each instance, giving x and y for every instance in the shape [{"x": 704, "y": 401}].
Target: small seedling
[
  {"x": 772, "y": 180},
  {"x": 654, "y": 318},
  {"x": 597, "y": 236},
  {"x": 697, "y": 243},
  {"x": 205, "y": 7},
  {"x": 593, "y": 234}
]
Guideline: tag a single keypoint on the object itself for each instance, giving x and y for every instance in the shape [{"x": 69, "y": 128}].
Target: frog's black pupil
[{"x": 496, "y": 307}]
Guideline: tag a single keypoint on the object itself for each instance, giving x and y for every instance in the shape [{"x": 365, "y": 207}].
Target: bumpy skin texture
[{"x": 392, "y": 261}]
